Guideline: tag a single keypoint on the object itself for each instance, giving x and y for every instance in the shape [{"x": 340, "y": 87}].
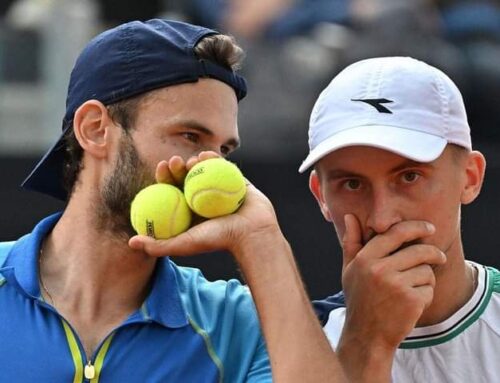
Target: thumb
[
  {"x": 204, "y": 237},
  {"x": 351, "y": 241}
]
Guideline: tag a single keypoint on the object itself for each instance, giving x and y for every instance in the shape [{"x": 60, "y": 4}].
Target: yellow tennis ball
[
  {"x": 160, "y": 211},
  {"x": 214, "y": 187}
]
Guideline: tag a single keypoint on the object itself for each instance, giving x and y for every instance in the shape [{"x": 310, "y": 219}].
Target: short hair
[
  {"x": 458, "y": 152},
  {"x": 220, "y": 49}
]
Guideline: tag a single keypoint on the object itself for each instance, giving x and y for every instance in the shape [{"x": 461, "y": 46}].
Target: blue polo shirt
[{"x": 187, "y": 330}]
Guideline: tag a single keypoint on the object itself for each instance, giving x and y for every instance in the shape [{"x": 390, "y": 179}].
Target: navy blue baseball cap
[{"x": 123, "y": 62}]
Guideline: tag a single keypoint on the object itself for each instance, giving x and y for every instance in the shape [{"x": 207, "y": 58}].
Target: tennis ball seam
[
  {"x": 221, "y": 191},
  {"x": 214, "y": 187}
]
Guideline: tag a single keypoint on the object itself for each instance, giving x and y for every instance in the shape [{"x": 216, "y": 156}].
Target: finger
[
  {"x": 205, "y": 237},
  {"x": 151, "y": 246},
  {"x": 406, "y": 231},
  {"x": 413, "y": 256},
  {"x": 163, "y": 174},
  {"x": 206, "y": 155},
  {"x": 425, "y": 294},
  {"x": 191, "y": 162},
  {"x": 177, "y": 169},
  {"x": 202, "y": 156},
  {"x": 250, "y": 187},
  {"x": 352, "y": 239},
  {"x": 421, "y": 275}
]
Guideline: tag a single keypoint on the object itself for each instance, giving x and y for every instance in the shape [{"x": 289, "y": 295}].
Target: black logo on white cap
[{"x": 376, "y": 103}]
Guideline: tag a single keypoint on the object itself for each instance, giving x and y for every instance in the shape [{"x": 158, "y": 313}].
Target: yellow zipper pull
[{"x": 89, "y": 371}]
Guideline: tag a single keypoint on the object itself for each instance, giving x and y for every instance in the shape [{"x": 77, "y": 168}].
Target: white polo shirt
[{"x": 464, "y": 348}]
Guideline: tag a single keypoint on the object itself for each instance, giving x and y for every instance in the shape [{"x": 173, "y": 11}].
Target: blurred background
[{"x": 294, "y": 48}]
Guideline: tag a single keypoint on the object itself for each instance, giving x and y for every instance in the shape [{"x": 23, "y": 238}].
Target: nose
[{"x": 384, "y": 212}]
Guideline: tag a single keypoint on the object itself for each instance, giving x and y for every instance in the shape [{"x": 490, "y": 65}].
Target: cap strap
[{"x": 209, "y": 69}]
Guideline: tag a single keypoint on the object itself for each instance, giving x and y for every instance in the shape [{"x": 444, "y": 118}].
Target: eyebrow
[
  {"x": 195, "y": 125},
  {"x": 340, "y": 173},
  {"x": 411, "y": 164}
]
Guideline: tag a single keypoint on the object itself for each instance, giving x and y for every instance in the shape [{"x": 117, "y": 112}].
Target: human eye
[
  {"x": 410, "y": 177},
  {"x": 352, "y": 184},
  {"x": 190, "y": 136}
]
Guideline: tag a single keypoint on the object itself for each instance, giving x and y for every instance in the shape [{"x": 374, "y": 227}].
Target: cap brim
[
  {"x": 47, "y": 176},
  {"x": 411, "y": 144}
]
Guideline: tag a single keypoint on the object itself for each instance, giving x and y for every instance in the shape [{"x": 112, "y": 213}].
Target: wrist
[
  {"x": 365, "y": 362},
  {"x": 259, "y": 245},
  {"x": 266, "y": 261}
]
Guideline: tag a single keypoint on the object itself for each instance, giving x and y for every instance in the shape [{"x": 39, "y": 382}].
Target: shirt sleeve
[
  {"x": 260, "y": 370},
  {"x": 226, "y": 313},
  {"x": 324, "y": 307}
]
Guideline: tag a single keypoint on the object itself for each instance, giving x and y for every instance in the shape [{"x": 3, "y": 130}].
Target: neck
[
  {"x": 455, "y": 285},
  {"x": 86, "y": 268}
]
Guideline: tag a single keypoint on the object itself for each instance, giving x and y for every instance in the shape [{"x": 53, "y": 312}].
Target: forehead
[
  {"x": 365, "y": 160},
  {"x": 206, "y": 99}
]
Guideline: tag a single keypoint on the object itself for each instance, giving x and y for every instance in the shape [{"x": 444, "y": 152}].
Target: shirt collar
[
  {"x": 21, "y": 266},
  {"x": 163, "y": 304}
]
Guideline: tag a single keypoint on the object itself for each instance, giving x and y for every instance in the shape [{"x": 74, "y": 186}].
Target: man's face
[
  {"x": 186, "y": 119},
  {"x": 382, "y": 188},
  {"x": 179, "y": 120}
]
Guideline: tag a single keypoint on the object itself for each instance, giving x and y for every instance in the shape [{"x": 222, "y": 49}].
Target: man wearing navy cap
[{"x": 81, "y": 301}]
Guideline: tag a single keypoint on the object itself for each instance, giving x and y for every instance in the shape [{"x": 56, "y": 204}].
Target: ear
[
  {"x": 474, "y": 174},
  {"x": 92, "y": 125},
  {"x": 315, "y": 187}
]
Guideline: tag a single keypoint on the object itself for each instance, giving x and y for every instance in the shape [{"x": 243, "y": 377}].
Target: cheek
[
  {"x": 447, "y": 233},
  {"x": 447, "y": 222},
  {"x": 441, "y": 207},
  {"x": 337, "y": 212},
  {"x": 153, "y": 150},
  {"x": 441, "y": 200},
  {"x": 338, "y": 224},
  {"x": 339, "y": 205}
]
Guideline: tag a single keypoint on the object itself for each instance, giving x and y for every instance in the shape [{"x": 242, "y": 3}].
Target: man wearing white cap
[{"x": 393, "y": 163}]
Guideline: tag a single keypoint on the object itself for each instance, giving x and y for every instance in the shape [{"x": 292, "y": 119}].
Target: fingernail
[{"x": 430, "y": 227}]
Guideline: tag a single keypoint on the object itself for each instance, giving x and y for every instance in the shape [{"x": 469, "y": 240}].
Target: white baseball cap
[{"x": 397, "y": 104}]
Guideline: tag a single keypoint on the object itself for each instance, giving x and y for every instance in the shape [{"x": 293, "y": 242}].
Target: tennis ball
[
  {"x": 160, "y": 211},
  {"x": 214, "y": 187}
]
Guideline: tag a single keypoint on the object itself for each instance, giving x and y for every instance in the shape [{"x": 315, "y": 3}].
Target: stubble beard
[{"x": 129, "y": 176}]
